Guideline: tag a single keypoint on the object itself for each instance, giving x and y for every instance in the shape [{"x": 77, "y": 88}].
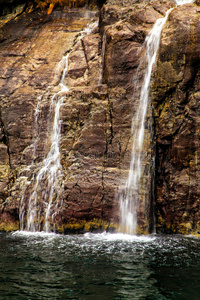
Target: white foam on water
[
  {"x": 87, "y": 237},
  {"x": 36, "y": 234},
  {"x": 105, "y": 236},
  {"x": 193, "y": 236}
]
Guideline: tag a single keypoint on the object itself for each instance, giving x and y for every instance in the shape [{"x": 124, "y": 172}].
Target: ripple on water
[{"x": 98, "y": 266}]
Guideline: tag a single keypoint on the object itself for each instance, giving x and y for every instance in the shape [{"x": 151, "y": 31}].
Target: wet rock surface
[
  {"x": 175, "y": 94},
  {"x": 96, "y": 114}
]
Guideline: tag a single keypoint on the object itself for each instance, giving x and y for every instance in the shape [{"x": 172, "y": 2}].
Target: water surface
[{"x": 98, "y": 266}]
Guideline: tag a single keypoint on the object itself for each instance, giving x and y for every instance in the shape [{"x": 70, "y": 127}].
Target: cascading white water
[
  {"x": 50, "y": 173},
  {"x": 48, "y": 180},
  {"x": 181, "y": 2},
  {"x": 36, "y": 128},
  {"x": 129, "y": 193}
]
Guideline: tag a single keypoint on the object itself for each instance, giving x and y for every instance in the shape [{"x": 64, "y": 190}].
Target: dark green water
[{"x": 102, "y": 266}]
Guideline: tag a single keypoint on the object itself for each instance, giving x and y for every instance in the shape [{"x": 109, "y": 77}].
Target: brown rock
[{"x": 176, "y": 96}]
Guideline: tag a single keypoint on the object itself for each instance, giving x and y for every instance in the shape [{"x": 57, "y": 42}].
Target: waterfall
[
  {"x": 48, "y": 180},
  {"x": 129, "y": 193},
  {"x": 181, "y": 2},
  {"x": 47, "y": 183},
  {"x": 37, "y": 111}
]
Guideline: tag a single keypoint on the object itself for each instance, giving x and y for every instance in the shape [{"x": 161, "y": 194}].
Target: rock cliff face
[
  {"x": 97, "y": 111},
  {"x": 175, "y": 94}
]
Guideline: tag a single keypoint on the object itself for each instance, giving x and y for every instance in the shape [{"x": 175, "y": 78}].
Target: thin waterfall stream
[
  {"x": 129, "y": 193},
  {"x": 48, "y": 181}
]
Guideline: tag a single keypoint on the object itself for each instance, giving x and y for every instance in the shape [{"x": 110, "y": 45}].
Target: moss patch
[
  {"x": 95, "y": 225},
  {"x": 10, "y": 226}
]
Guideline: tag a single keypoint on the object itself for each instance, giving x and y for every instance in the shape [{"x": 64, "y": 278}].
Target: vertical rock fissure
[
  {"x": 5, "y": 139},
  {"x": 103, "y": 49},
  {"x": 111, "y": 120},
  {"x": 84, "y": 51}
]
